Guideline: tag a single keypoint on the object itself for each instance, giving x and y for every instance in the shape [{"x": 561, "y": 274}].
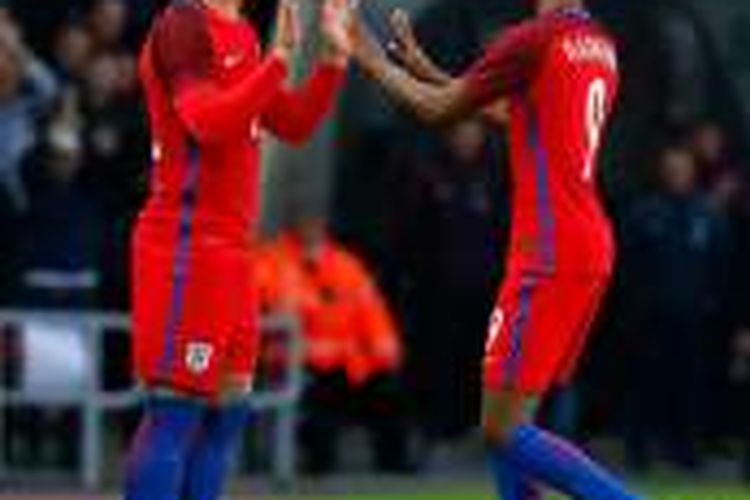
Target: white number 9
[{"x": 596, "y": 116}]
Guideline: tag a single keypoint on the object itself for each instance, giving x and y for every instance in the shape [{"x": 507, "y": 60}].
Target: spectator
[
  {"x": 72, "y": 52},
  {"x": 446, "y": 231},
  {"x": 725, "y": 184},
  {"x": 720, "y": 176},
  {"x": 61, "y": 236},
  {"x": 114, "y": 134},
  {"x": 42, "y": 18},
  {"x": 56, "y": 250},
  {"x": 115, "y": 145},
  {"x": 353, "y": 352},
  {"x": 674, "y": 246},
  {"x": 27, "y": 90},
  {"x": 108, "y": 22}
]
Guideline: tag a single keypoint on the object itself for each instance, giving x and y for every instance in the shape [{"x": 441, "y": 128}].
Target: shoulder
[
  {"x": 529, "y": 31},
  {"x": 530, "y": 38}
]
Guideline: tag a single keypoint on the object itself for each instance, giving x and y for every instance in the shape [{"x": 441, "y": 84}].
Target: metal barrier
[{"x": 94, "y": 402}]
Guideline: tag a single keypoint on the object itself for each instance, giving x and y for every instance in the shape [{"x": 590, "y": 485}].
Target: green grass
[
  {"x": 702, "y": 493},
  {"x": 649, "y": 491},
  {"x": 671, "y": 495}
]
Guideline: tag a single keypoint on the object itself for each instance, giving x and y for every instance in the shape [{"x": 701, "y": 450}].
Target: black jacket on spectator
[
  {"x": 61, "y": 232},
  {"x": 673, "y": 256},
  {"x": 674, "y": 249}
]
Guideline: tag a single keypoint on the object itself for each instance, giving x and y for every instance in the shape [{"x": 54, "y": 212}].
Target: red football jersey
[
  {"x": 560, "y": 73},
  {"x": 210, "y": 93}
]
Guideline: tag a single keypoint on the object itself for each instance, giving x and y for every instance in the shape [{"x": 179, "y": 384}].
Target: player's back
[
  {"x": 213, "y": 183},
  {"x": 557, "y": 128}
]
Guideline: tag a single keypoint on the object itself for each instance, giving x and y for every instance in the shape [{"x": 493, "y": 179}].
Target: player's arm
[
  {"x": 183, "y": 51},
  {"x": 433, "y": 103},
  {"x": 295, "y": 113},
  {"x": 505, "y": 67},
  {"x": 410, "y": 53}
]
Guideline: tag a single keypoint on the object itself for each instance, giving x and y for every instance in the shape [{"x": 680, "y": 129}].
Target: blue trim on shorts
[
  {"x": 546, "y": 246},
  {"x": 544, "y": 205},
  {"x": 181, "y": 261},
  {"x": 517, "y": 329}
]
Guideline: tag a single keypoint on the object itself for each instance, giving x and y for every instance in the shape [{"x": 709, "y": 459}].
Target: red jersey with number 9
[{"x": 560, "y": 73}]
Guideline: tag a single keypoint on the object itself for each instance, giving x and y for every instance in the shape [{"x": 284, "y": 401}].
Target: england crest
[{"x": 198, "y": 357}]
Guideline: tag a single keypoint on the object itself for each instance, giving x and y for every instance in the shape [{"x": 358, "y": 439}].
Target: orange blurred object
[{"x": 347, "y": 323}]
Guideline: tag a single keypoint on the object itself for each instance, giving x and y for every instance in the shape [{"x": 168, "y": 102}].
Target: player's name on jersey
[{"x": 590, "y": 48}]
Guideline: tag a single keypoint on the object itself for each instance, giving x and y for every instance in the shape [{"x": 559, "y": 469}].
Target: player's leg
[
  {"x": 524, "y": 358},
  {"x": 156, "y": 463},
  {"x": 184, "y": 330},
  {"x": 523, "y": 453},
  {"x": 209, "y": 458},
  {"x": 502, "y": 411},
  {"x": 182, "y": 391},
  {"x": 211, "y": 454}
]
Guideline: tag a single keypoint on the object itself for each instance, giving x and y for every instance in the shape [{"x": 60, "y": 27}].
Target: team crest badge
[{"x": 198, "y": 357}]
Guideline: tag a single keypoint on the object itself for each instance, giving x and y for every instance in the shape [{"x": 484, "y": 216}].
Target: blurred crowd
[
  {"x": 394, "y": 295},
  {"x": 73, "y": 152},
  {"x": 683, "y": 298}
]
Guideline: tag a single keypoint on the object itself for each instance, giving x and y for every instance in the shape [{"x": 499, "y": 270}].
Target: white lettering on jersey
[{"x": 590, "y": 49}]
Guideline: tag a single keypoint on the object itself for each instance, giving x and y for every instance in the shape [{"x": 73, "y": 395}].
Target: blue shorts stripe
[
  {"x": 517, "y": 330},
  {"x": 545, "y": 209},
  {"x": 545, "y": 212},
  {"x": 181, "y": 260}
]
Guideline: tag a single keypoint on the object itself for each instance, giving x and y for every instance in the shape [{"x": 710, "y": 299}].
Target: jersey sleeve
[
  {"x": 183, "y": 54},
  {"x": 508, "y": 63},
  {"x": 295, "y": 113}
]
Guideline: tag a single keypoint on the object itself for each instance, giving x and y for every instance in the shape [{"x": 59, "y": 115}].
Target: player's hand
[
  {"x": 405, "y": 47},
  {"x": 336, "y": 19},
  {"x": 288, "y": 30}
]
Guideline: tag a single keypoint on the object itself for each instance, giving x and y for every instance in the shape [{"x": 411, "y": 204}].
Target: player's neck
[
  {"x": 546, "y": 6},
  {"x": 231, "y": 9}
]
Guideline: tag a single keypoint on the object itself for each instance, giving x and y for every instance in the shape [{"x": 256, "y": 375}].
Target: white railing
[{"x": 94, "y": 402}]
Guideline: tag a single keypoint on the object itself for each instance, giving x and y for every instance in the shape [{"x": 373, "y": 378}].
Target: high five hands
[
  {"x": 353, "y": 37},
  {"x": 336, "y": 18},
  {"x": 336, "y": 22},
  {"x": 288, "y": 34}
]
